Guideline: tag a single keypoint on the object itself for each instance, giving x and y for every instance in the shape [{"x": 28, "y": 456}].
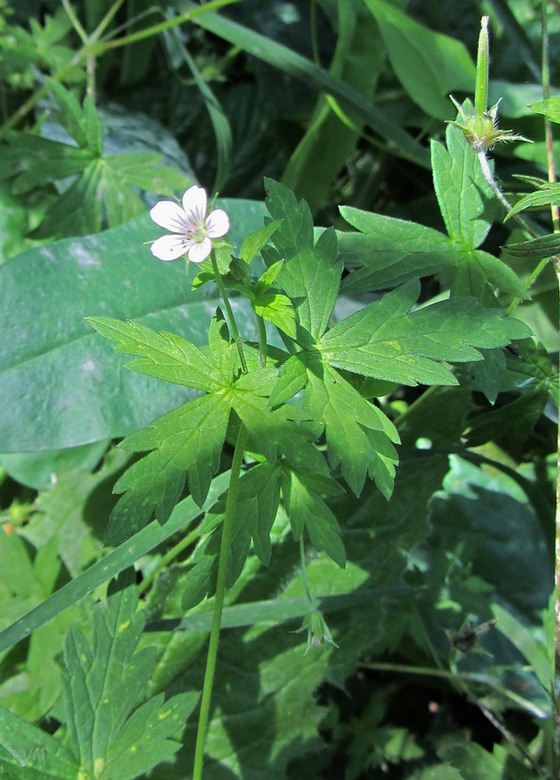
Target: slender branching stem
[
  {"x": 221, "y": 581},
  {"x": 229, "y": 314}
]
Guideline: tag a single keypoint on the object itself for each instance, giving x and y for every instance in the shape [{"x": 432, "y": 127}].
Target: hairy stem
[{"x": 223, "y": 566}]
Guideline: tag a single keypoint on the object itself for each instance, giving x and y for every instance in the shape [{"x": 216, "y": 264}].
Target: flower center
[{"x": 196, "y": 234}]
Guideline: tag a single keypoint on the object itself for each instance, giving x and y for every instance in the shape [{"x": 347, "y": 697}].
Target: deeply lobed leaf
[
  {"x": 387, "y": 341},
  {"x": 185, "y": 444}
]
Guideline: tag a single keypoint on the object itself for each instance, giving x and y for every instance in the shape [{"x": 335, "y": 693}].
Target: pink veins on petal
[{"x": 190, "y": 228}]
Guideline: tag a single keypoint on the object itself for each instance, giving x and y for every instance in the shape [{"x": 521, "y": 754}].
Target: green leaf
[
  {"x": 536, "y": 248},
  {"x": 550, "y": 108},
  {"x": 92, "y": 127},
  {"x": 387, "y": 341},
  {"x": 27, "y": 752},
  {"x": 268, "y": 50},
  {"x": 201, "y": 579},
  {"x": 71, "y": 116},
  {"x": 328, "y": 142},
  {"x": 254, "y": 242},
  {"x": 90, "y": 397},
  {"x": 277, "y": 309},
  {"x": 144, "y": 170},
  {"x": 359, "y": 436},
  {"x": 389, "y": 251},
  {"x": 277, "y": 431},
  {"x": 534, "y": 649},
  {"x": 266, "y": 280},
  {"x": 548, "y": 194},
  {"x": 474, "y": 762},
  {"x": 103, "y": 684},
  {"x": 465, "y": 198},
  {"x": 112, "y": 564},
  {"x": 255, "y": 512},
  {"x": 186, "y": 442},
  {"x": 307, "y": 509},
  {"x": 164, "y": 355},
  {"x": 429, "y": 65},
  {"x": 36, "y": 161},
  {"x": 311, "y": 273},
  {"x": 218, "y": 118},
  {"x": 291, "y": 379}
]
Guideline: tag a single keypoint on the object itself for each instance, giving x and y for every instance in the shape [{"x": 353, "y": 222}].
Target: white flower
[{"x": 191, "y": 231}]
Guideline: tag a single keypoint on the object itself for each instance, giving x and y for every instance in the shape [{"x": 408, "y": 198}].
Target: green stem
[
  {"x": 76, "y": 24},
  {"x": 304, "y": 573},
  {"x": 263, "y": 343},
  {"x": 229, "y": 313},
  {"x": 223, "y": 566}
]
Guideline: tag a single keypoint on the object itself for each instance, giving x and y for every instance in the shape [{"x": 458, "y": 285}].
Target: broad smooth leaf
[
  {"x": 288, "y": 61},
  {"x": 62, "y": 384},
  {"x": 429, "y": 65}
]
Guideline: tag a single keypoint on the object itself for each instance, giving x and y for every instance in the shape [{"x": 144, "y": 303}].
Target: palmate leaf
[
  {"x": 185, "y": 443},
  {"x": 102, "y": 194},
  {"x": 110, "y": 731},
  {"x": 388, "y": 251},
  {"x": 385, "y": 340},
  {"x": 36, "y": 161}
]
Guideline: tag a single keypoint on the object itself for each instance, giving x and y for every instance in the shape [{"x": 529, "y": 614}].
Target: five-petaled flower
[{"x": 191, "y": 229}]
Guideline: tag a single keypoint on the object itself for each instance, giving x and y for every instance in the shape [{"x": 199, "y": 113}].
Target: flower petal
[
  {"x": 194, "y": 203},
  {"x": 169, "y": 215},
  {"x": 200, "y": 250},
  {"x": 217, "y": 223},
  {"x": 170, "y": 247}
]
